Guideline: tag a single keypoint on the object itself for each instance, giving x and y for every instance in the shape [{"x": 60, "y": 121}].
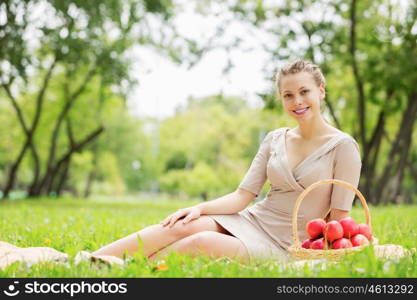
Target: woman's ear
[{"x": 322, "y": 91}]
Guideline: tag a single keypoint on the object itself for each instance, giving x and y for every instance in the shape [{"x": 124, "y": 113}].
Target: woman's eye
[
  {"x": 304, "y": 92},
  {"x": 287, "y": 96}
]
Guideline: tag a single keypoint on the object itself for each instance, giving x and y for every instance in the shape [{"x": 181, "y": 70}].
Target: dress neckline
[{"x": 308, "y": 157}]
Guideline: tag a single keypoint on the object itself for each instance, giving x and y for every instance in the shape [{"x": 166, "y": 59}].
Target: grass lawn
[{"x": 71, "y": 225}]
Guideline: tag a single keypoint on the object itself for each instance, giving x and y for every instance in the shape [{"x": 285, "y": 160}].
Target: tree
[{"x": 82, "y": 43}]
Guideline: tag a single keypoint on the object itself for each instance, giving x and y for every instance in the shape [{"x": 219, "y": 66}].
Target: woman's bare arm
[{"x": 227, "y": 204}]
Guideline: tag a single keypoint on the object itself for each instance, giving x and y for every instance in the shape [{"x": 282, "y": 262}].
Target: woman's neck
[{"x": 312, "y": 128}]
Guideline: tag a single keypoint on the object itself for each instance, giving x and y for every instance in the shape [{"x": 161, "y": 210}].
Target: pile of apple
[{"x": 336, "y": 235}]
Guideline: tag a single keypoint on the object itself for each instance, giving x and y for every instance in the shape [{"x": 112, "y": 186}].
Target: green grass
[{"x": 71, "y": 225}]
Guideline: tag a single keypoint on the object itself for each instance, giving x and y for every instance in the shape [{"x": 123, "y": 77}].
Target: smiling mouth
[{"x": 300, "y": 111}]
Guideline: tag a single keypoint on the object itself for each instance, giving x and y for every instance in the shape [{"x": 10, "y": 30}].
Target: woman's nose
[{"x": 298, "y": 100}]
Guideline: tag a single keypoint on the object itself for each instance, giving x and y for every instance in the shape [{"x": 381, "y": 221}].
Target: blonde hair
[{"x": 300, "y": 65}]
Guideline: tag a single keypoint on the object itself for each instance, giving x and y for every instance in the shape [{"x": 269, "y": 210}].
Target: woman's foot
[
  {"x": 106, "y": 259},
  {"x": 10, "y": 254}
]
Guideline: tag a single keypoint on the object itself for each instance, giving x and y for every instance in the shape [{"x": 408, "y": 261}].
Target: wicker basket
[{"x": 299, "y": 252}]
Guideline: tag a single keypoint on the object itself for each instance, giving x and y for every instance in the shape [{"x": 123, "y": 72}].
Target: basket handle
[{"x": 300, "y": 198}]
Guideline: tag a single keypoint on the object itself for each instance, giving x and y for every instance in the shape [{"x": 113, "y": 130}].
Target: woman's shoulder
[
  {"x": 273, "y": 134},
  {"x": 278, "y": 131},
  {"x": 347, "y": 138},
  {"x": 347, "y": 145}
]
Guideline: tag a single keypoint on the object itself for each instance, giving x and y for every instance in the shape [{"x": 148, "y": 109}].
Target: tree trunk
[
  {"x": 358, "y": 81},
  {"x": 92, "y": 174},
  {"x": 46, "y": 182},
  {"x": 13, "y": 171},
  {"x": 389, "y": 183},
  {"x": 63, "y": 178},
  {"x": 90, "y": 179},
  {"x": 370, "y": 161},
  {"x": 77, "y": 147},
  {"x": 37, "y": 171},
  {"x": 30, "y": 132}
]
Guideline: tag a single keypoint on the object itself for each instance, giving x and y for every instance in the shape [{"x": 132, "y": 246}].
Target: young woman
[{"x": 292, "y": 159}]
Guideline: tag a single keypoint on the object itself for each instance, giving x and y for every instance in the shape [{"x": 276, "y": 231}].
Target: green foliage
[
  {"x": 218, "y": 136},
  {"x": 200, "y": 181},
  {"x": 163, "y": 7}
]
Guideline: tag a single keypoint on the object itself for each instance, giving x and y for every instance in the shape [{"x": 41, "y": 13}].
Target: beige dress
[{"x": 265, "y": 227}]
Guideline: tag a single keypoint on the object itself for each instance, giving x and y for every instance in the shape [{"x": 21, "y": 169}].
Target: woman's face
[{"x": 299, "y": 92}]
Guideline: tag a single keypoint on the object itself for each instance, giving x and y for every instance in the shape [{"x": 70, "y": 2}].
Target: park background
[{"x": 120, "y": 112}]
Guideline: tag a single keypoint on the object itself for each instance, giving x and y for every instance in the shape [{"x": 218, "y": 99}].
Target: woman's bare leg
[
  {"x": 213, "y": 244},
  {"x": 155, "y": 237}
]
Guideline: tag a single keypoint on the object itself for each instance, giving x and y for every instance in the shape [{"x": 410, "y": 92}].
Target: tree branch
[
  {"x": 68, "y": 104},
  {"x": 358, "y": 79},
  {"x": 16, "y": 107},
  {"x": 41, "y": 94},
  {"x": 78, "y": 146}
]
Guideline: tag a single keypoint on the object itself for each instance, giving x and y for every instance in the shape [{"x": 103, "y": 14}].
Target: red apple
[
  {"x": 350, "y": 228},
  {"x": 359, "y": 240},
  {"x": 365, "y": 230},
  {"x": 333, "y": 231},
  {"x": 306, "y": 244},
  {"x": 341, "y": 243},
  {"x": 315, "y": 227},
  {"x": 318, "y": 244}
]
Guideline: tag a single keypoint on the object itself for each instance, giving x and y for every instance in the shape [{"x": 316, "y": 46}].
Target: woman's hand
[{"x": 190, "y": 213}]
